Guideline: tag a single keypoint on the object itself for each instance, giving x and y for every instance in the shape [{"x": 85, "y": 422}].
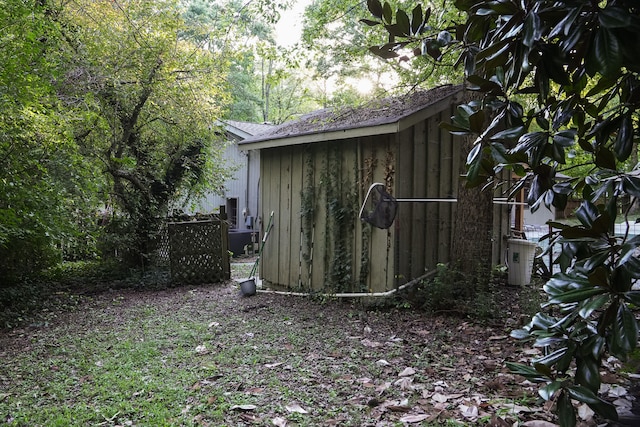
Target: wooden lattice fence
[{"x": 198, "y": 251}]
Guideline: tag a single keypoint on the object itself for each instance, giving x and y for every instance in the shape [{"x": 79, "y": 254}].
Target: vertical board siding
[
  {"x": 295, "y": 232},
  {"x": 432, "y": 236},
  {"x": 270, "y": 164},
  {"x": 418, "y": 241},
  {"x": 404, "y": 219},
  {"x": 422, "y": 161}
]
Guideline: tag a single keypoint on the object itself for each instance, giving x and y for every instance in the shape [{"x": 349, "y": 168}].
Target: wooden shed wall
[
  {"x": 428, "y": 167},
  {"x": 317, "y": 242},
  {"x": 315, "y": 191}
]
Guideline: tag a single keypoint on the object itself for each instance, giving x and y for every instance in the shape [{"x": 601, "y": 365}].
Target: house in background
[
  {"x": 241, "y": 197},
  {"x": 316, "y": 171}
]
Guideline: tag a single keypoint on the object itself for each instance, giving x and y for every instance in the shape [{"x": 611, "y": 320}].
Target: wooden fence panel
[{"x": 198, "y": 251}]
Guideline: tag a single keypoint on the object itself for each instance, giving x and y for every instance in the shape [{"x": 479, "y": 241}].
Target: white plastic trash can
[{"x": 520, "y": 262}]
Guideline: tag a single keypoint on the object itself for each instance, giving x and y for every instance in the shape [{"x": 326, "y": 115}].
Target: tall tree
[
  {"x": 45, "y": 187},
  {"x": 577, "y": 62},
  {"x": 145, "y": 97}
]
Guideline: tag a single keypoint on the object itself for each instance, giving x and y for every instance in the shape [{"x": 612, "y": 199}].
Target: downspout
[{"x": 352, "y": 294}]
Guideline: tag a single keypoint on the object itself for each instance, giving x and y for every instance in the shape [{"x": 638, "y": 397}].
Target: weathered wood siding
[
  {"x": 428, "y": 159},
  {"x": 315, "y": 190},
  {"x": 326, "y": 251}
]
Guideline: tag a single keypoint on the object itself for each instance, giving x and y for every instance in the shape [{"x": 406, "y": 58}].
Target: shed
[{"x": 315, "y": 172}]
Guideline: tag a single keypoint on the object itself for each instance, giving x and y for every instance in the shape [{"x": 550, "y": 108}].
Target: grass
[{"x": 193, "y": 356}]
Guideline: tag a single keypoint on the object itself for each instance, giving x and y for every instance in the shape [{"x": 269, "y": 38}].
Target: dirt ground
[{"x": 328, "y": 362}]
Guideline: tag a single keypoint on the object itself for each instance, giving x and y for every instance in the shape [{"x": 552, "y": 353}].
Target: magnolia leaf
[
  {"x": 295, "y": 408},
  {"x": 566, "y": 411},
  {"x": 585, "y": 412},
  {"x": 407, "y": 372},
  {"x": 414, "y": 418},
  {"x": 375, "y": 7},
  {"x": 468, "y": 411},
  {"x": 403, "y": 23},
  {"x": 243, "y": 407}
]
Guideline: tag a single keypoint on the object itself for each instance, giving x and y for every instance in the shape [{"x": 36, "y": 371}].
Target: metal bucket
[{"x": 248, "y": 287}]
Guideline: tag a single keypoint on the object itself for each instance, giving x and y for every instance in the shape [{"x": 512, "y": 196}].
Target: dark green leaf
[
  {"x": 625, "y": 329},
  {"x": 383, "y": 53},
  {"x": 633, "y": 297},
  {"x": 543, "y": 369},
  {"x": 593, "y": 304},
  {"x": 508, "y": 134},
  {"x": 576, "y": 295},
  {"x": 370, "y": 22},
  {"x": 607, "y": 53},
  {"x": 624, "y": 139},
  {"x": 532, "y": 29},
  {"x": 551, "y": 358},
  {"x": 524, "y": 370},
  {"x": 402, "y": 20},
  {"x": 588, "y": 373},
  {"x": 565, "y": 138},
  {"x": 387, "y": 13},
  {"x": 416, "y": 19},
  {"x": 566, "y": 411},
  {"x": 521, "y": 334},
  {"x": 631, "y": 185},
  {"x": 601, "y": 407},
  {"x": 476, "y": 121},
  {"x": 550, "y": 389},
  {"x": 375, "y": 7},
  {"x": 614, "y": 17},
  {"x": 605, "y": 158}
]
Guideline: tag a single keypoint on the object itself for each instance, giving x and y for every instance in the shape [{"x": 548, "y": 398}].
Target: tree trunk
[{"x": 473, "y": 228}]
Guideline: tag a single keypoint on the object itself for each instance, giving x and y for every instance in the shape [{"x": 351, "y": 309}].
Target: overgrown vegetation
[{"x": 478, "y": 295}]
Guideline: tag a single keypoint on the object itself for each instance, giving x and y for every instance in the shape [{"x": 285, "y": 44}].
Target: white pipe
[{"x": 351, "y": 294}]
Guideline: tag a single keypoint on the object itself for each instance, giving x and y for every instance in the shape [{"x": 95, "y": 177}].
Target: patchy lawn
[{"x": 205, "y": 355}]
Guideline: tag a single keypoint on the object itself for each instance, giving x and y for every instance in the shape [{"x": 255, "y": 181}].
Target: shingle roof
[
  {"x": 250, "y": 128},
  {"x": 375, "y": 113}
]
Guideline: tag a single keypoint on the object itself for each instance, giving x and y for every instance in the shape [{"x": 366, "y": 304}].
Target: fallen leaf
[
  {"x": 368, "y": 343},
  {"x": 296, "y": 408},
  {"x": 438, "y": 397},
  {"x": 516, "y": 409},
  {"x": 468, "y": 411},
  {"x": 617, "y": 391},
  {"x": 243, "y": 407},
  {"x": 212, "y": 324},
  {"x": 539, "y": 423},
  {"x": 585, "y": 413},
  {"x": 407, "y": 372},
  {"x": 201, "y": 349},
  {"x": 279, "y": 422},
  {"x": 254, "y": 390},
  {"x": 498, "y": 337},
  {"x": 382, "y": 387},
  {"x": 382, "y": 362},
  {"x": 414, "y": 418},
  {"x": 405, "y": 383},
  {"x": 496, "y": 421},
  {"x": 273, "y": 365},
  {"x": 254, "y": 419}
]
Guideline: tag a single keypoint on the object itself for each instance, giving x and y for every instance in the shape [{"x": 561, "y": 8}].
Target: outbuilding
[{"x": 315, "y": 173}]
